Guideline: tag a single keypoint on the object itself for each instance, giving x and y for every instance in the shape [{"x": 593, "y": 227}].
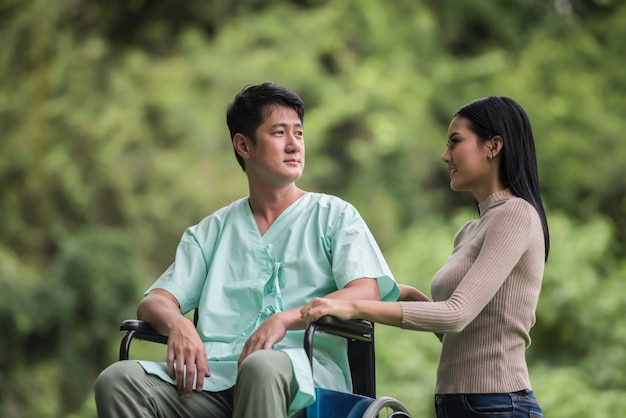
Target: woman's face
[{"x": 467, "y": 158}]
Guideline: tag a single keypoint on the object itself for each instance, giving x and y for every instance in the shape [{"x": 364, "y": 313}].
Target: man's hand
[
  {"x": 276, "y": 326},
  {"x": 186, "y": 357},
  {"x": 269, "y": 333}
]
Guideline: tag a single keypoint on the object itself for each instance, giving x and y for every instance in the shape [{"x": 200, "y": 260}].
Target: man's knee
[
  {"x": 265, "y": 385},
  {"x": 266, "y": 365},
  {"x": 115, "y": 377}
]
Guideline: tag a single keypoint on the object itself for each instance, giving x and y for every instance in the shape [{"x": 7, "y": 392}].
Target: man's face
[{"x": 277, "y": 158}]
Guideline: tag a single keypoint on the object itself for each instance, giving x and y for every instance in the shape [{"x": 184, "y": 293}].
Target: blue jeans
[{"x": 521, "y": 404}]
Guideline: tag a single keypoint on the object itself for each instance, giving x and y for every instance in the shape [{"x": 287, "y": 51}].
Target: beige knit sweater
[{"x": 484, "y": 299}]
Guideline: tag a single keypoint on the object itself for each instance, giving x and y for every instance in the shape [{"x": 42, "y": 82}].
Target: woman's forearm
[{"x": 387, "y": 313}]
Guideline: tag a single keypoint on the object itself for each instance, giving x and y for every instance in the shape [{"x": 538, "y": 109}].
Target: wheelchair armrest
[
  {"x": 140, "y": 330},
  {"x": 355, "y": 329}
]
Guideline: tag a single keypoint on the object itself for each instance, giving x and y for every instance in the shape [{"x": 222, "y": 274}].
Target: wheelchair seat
[{"x": 362, "y": 403}]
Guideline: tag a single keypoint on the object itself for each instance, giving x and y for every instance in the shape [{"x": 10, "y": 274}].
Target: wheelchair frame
[{"x": 362, "y": 403}]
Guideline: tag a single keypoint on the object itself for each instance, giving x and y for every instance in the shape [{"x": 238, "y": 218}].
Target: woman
[{"x": 485, "y": 296}]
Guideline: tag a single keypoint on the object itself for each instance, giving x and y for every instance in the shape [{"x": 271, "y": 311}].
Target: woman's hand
[
  {"x": 411, "y": 294},
  {"x": 318, "y": 307}
]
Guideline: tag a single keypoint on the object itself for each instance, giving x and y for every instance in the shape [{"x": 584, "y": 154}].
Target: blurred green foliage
[{"x": 114, "y": 140}]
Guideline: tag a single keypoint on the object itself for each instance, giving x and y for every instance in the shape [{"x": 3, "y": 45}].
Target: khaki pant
[{"x": 265, "y": 386}]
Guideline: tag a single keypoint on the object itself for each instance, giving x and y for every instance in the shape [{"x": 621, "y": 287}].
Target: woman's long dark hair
[{"x": 497, "y": 115}]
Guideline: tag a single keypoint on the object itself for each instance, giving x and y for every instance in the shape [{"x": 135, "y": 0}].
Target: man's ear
[
  {"x": 495, "y": 145},
  {"x": 241, "y": 145}
]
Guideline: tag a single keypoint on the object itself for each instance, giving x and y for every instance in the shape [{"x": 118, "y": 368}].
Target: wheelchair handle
[{"x": 355, "y": 329}]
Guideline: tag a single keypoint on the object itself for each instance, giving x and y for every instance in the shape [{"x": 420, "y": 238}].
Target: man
[{"x": 248, "y": 268}]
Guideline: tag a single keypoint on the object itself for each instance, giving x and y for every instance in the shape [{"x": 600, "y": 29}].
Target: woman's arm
[{"x": 388, "y": 313}]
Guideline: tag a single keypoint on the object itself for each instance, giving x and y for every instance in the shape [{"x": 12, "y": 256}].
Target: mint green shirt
[{"x": 237, "y": 278}]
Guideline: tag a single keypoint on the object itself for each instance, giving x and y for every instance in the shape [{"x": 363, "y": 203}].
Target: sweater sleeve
[{"x": 506, "y": 237}]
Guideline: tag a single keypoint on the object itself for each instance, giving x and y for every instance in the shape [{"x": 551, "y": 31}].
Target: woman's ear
[{"x": 495, "y": 145}]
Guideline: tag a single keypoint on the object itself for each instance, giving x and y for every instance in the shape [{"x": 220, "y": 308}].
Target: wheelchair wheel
[{"x": 386, "y": 407}]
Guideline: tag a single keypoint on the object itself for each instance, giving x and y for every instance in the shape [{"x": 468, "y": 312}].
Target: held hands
[
  {"x": 318, "y": 307},
  {"x": 186, "y": 357}
]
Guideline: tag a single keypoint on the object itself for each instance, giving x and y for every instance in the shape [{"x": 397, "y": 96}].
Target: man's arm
[
  {"x": 276, "y": 326},
  {"x": 185, "y": 350},
  {"x": 365, "y": 288}
]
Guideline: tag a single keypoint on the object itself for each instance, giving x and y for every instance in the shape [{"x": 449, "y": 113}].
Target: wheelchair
[{"x": 362, "y": 403}]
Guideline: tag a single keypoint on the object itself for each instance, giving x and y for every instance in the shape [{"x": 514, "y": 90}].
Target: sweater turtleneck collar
[{"x": 494, "y": 199}]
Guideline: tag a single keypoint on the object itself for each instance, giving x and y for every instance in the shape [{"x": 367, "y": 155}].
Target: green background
[{"x": 113, "y": 140}]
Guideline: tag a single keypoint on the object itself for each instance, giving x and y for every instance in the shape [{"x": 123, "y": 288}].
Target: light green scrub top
[{"x": 238, "y": 278}]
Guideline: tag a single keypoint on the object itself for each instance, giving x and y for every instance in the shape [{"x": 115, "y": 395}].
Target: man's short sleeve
[
  {"x": 185, "y": 277},
  {"x": 356, "y": 254}
]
